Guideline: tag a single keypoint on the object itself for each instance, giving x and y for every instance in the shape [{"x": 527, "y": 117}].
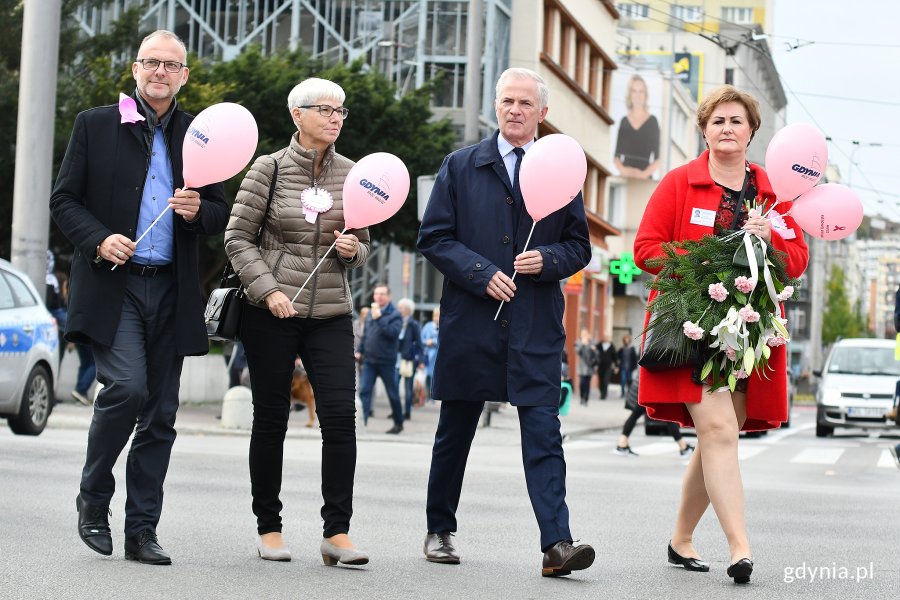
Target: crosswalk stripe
[
  {"x": 818, "y": 456},
  {"x": 746, "y": 452},
  {"x": 886, "y": 460},
  {"x": 656, "y": 448},
  {"x": 585, "y": 445}
]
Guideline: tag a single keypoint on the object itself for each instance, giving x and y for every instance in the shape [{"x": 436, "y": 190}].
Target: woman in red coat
[{"x": 694, "y": 200}]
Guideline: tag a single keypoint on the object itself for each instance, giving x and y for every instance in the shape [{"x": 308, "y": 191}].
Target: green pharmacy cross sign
[{"x": 624, "y": 267}]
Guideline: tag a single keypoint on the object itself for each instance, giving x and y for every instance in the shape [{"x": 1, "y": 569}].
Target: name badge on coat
[{"x": 703, "y": 217}]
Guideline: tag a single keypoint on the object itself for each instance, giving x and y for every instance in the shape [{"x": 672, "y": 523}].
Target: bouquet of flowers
[{"x": 722, "y": 294}]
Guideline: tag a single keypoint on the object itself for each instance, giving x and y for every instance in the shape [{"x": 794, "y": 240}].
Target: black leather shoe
[
  {"x": 740, "y": 571},
  {"x": 563, "y": 558},
  {"x": 439, "y": 548},
  {"x": 93, "y": 526},
  {"x": 145, "y": 548},
  {"x": 689, "y": 564},
  {"x": 395, "y": 429}
]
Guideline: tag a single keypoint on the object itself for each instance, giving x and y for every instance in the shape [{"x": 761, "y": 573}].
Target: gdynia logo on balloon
[
  {"x": 198, "y": 137},
  {"x": 813, "y": 172},
  {"x": 375, "y": 191}
]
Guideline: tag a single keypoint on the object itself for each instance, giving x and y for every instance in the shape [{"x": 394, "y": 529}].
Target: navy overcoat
[{"x": 467, "y": 233}]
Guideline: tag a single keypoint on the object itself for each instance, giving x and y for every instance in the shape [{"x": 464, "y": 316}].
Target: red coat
[{"x": 668, "y": 218}]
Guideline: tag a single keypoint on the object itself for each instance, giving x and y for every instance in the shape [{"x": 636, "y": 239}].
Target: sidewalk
[{"x": 204, "y": 419}]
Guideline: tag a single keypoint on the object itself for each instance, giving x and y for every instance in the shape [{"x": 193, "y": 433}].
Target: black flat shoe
[
  {"x": 740, "y": 571},
  {"x": 689, "y": 564},
  {"x": 145, "y": 548},
  {"x": 93, "y": 526}
]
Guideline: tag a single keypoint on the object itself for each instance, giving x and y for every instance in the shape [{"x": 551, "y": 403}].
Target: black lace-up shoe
[
  {"x": 144, "y": 548},
  {"x": 563, "y": 558},
  {"x": 439, "y": 548},
  {"x": 93, "y": 526}
]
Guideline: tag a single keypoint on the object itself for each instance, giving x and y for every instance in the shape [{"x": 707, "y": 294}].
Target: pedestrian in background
[
  {"x": 715, "y": 183},
  {"x": 411, "y": 356},
  {"x": 587, "y": 362},
  {"x": 144, "y": 317},
  {"x": 430, "y": 341},
  {"x": 638, "y": 411},
  {"x": 626, "y": 358},
  {"x": 55, "y": 301},
  {"x": 474, "y": 230},
  {"x": 606, "y": 361},
  {"x": 378, "y": 351},
  {"x": 317, "y": 325}
]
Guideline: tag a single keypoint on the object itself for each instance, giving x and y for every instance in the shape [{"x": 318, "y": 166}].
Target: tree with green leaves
[
  {"x": 838, "y": 321},
  {"x": 93, "y": 71}
]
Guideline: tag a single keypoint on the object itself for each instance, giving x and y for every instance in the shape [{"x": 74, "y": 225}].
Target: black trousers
[
  {"x": 636, "y": 413},
  {"x": 584, "y": 387},
  {"x": 326, "y": 348},
  {"x": 141, "y": 374}
]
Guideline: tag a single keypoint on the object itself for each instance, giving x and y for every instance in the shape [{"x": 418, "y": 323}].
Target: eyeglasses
[
  {"x": 326, "y": 110},
  {"x": 152, "y": 64}
]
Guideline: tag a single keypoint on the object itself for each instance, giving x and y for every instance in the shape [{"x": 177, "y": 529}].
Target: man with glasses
[{"x": 119, "y": 173}]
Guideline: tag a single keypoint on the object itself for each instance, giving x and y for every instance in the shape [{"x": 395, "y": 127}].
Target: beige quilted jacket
[{"x": 291, "y": 247}]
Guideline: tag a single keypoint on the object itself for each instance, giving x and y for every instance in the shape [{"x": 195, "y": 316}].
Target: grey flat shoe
[
  {"x": 333, "y": 555},
  {"x": 266, "y": 553}
]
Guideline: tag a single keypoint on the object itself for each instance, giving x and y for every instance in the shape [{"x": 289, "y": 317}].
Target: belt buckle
[{"x": 148, "y": 271}]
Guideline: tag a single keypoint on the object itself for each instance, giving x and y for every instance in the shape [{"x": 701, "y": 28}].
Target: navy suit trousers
[{"x": 542, "y": 456}]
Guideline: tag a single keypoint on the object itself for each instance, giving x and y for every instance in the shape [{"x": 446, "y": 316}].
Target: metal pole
[
  {"x": 672, "y": 80},
  {"x": 474, "y": 33},
  {"x": 34, "y": 138}
]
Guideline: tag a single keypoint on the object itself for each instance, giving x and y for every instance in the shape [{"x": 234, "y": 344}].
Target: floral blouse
[{"x": 728, "y": 204}]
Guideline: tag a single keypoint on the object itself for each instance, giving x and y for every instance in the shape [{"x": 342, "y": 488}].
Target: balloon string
[
  {"x": 155, "y": 221},
  {"x": 294, "y": 299},
  {"x": 499, "y": 308}
]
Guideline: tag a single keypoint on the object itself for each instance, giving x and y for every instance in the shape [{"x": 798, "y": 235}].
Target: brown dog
[{"x": 302, "y": 393}]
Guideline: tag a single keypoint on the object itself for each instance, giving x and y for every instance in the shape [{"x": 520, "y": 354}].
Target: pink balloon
[
  {"x": 795, "y": 160},
  {"x": 830, "y": 211},
  {"x": 219, "y": 143},
  {"x": 374, "y": 190},
  {"x": 552, "y": 174}
]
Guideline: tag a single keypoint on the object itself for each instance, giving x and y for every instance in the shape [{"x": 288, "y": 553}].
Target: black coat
[
  {"x": 467, "y": 234},
  {"x": 98, "y": 193}
]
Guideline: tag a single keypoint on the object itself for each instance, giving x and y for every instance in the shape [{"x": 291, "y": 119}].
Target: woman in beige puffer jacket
[{"x": 304, "y": 219}]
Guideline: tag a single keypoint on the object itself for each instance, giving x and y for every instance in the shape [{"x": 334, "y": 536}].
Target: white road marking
[
  {"x": 886, "y": 460},
  {"x": 818, "y": 456}
]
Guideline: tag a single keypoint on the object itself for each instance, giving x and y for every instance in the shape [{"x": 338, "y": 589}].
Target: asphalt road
[{"x": 823, "y": 517}]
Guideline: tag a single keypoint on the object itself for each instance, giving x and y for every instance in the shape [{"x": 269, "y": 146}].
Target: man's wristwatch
[{"x": 97, "y": 257}]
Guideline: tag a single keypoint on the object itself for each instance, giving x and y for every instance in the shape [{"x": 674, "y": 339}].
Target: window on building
[
  {"x": 615, "y": 208},
  {"x": 687, "y": 14},
  {"x": 737, "y": 14},
  {"x": 634, "y": 11}
]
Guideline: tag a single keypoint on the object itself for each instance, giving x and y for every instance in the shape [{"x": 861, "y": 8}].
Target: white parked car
[
  {"x": 29, "y": 353},
  {"x": 857, "y": 386}
]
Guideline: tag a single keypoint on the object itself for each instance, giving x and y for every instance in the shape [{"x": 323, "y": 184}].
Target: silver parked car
[
  {"x": 857, "y": 385},
  {"x": 29, "y": 353}
]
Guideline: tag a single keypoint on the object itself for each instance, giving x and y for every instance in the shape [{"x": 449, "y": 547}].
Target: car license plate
[{"x": 865, "y": 412}]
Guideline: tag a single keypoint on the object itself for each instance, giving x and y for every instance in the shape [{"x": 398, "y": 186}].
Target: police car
[{"x": 29, "y": 353}]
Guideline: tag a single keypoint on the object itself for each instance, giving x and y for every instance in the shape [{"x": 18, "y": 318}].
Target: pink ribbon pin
[{"x": 128, "y": 109}]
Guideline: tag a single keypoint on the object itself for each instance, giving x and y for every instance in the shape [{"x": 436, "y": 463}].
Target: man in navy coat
[
  {"x": 145, "y": 316},
  {"x": 474, "y": 231}
]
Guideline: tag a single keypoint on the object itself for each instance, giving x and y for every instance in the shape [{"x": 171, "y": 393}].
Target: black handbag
[
  {"x": 662, "y": 353},
  {"x": 226, "y": 303}
]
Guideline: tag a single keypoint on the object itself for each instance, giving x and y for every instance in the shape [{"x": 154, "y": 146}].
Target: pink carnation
[
  {"x": 744, "y": 284},
  {"x": 786, "y": 293},
  {"x": 748, "y": 314},
  {"x": 730, "y": 353},
  {"x": 740, "y": 374},
  {"x": 695, "y": 332},
  {"x": 717, "y": 292},
  {"x": 776, "y": 341}
]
